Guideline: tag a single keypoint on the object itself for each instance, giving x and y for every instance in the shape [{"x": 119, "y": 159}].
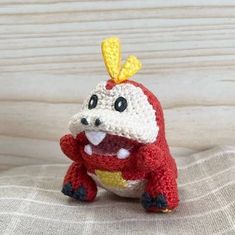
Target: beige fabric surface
[{"x": 31, "y": 202}]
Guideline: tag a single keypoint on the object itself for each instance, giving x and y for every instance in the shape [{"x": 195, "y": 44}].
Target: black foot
[
  {"x": 157, "y": 203},
  {"x": 78, "y": 194},
  {"x": 67, "y": 190}
]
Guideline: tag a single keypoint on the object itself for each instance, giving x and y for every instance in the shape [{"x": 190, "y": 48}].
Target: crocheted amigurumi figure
[{"x": 118, "y": 140}]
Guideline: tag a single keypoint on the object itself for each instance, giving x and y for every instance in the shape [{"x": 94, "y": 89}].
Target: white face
[{"x": 123, "y": 111}]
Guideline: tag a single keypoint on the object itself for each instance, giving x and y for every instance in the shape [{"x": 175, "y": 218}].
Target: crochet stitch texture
[{"x": 118, "y": 140}]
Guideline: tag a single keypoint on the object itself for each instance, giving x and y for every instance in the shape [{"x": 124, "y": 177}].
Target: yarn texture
[{"x": 118, "y": 142}]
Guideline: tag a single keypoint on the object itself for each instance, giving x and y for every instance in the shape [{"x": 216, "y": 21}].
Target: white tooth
[
  {"x": 123, "y": 153},
  {"x": 88, "y": 149},
  {"x": 95, "y": 137}
]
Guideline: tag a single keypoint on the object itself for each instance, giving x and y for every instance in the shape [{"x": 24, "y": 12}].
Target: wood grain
[{"x": 50, "y": 59}]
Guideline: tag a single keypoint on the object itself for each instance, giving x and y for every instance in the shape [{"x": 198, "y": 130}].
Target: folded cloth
[{"x": 31, "y": 202}]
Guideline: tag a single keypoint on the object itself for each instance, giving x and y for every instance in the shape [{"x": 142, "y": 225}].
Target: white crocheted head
[{"x": 123, "y": 110}]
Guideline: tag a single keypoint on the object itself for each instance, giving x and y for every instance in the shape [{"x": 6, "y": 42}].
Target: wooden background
[{"x": 50, "y": 58}]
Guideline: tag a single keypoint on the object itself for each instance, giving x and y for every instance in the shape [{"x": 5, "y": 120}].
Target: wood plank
[
  {"x": 190, "y": 127},
  {"x": 63, "y": 44},
  {"x": 39, "y": 151},
  {"x": 18, "y": 151},
  {"x": 190, "y": 88}
]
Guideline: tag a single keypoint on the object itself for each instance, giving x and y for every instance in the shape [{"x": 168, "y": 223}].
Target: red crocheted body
[{"x": 151, "y": 162}]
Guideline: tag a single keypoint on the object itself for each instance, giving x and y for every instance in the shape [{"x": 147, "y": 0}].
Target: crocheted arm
[
  {"x": 150, "y": 157},
  {"x": 70, "y": 148}
]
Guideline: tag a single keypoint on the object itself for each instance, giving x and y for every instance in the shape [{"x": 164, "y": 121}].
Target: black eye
[
  {"x": 93, "y": 102},
  {"x": 120, "y": 104}
]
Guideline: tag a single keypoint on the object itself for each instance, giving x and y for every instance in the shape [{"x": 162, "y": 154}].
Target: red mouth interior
[{"x": 111, "y": 144}]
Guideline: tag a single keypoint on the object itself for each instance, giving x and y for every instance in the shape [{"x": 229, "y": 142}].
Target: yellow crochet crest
[{"x": 111, "y": 50}]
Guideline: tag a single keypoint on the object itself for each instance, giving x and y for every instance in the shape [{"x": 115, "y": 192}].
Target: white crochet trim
[
  {"x": 134, "y": 188},
  {"x": 137, "y": 122}
]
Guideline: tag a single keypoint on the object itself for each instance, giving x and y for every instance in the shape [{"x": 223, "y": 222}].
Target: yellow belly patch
[{"x": 113, "y": 179}]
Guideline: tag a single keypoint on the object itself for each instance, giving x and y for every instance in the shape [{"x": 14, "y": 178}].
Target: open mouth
[{"x": 104, "y": 144}]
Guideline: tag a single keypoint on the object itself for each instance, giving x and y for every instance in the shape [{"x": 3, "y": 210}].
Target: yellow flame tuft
[{"x": 111, "y": 50}]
